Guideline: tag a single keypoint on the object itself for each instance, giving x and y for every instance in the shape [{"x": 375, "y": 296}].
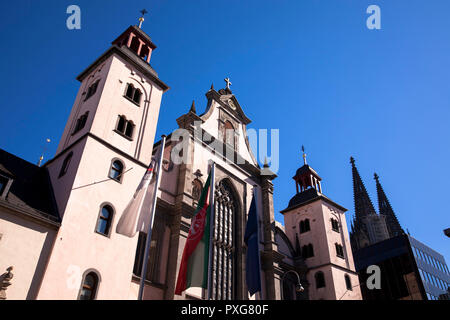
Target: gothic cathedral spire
[
  {"x": 384, "y": 208},
  {"x": 363, "y": 204}
]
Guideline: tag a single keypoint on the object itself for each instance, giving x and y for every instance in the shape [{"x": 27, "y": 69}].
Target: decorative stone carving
[
  {"x": 5, "y": 282},
  {"x": 196, "y": 189}
]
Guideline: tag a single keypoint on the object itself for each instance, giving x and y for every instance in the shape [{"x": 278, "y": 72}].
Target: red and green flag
[{"x": 194, "y": 262}]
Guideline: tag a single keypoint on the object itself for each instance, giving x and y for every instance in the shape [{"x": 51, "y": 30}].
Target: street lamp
[{"x": 298, "y": 287}]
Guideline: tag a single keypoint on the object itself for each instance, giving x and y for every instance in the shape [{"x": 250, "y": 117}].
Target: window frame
[
  {"x": 306, "y": 226},
  {"x": 320, "y": 273},
  {"x": 335, "y": 225},
  {"x": 80, "y": 123},
  {"x": 65, "y": 165},
  {"x": 97, "y": 284},
  {"x": 120, "y": 174},
  {"x": 126, "y": 125},
  {"x": 308, "y": 251},
  {"x": 110, "y": 220},
  {"x": 348, "y": 282},
  {"x": 133, "y": 94},
  {"x": 339, "y": 249},
  {"x": 92, "y": 90}
]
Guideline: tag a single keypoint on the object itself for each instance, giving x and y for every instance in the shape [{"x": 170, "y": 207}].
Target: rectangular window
[{"x": 339, "y": 251}]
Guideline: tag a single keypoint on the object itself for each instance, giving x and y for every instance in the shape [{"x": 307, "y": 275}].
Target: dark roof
[
  {"x": 31, "y": 191},
  {"x": 306, "y": 169},
  {"x": 302, "y": 197},
  {"x": 308, "y": 196}
]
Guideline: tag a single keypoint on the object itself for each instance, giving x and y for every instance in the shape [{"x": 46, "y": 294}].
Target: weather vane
[{"x": 141, "y": 19}]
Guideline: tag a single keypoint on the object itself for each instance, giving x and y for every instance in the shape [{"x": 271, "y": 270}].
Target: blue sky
[{"x": 308, "y": 68}]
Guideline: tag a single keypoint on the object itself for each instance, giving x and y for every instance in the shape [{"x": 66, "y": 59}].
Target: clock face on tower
[{"x": 231, "y": 104}]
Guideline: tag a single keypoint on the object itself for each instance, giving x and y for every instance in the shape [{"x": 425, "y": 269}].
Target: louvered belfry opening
[{"x": 224, "y": 260}]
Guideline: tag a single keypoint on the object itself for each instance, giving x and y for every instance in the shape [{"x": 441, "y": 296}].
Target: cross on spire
[
  {"x": 141, "y": 19},
  {"x": 227, "y": 80}
]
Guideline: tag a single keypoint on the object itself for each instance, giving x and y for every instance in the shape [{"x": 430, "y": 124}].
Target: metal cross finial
[
  {"x": 141, "y": 19},
  {"x": 227, "y": 80}
]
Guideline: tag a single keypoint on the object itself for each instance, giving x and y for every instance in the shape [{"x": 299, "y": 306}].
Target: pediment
[{"x": 229, "y": 102}]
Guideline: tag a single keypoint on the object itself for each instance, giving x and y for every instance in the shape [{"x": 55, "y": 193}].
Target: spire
[
  {"x": 193, "y": 107},
  {"x": 212, "y": 86},
  {"x": 266, "y": 164},
  {"x": 363, "y": 204},
  {"x": 384, "y": 208}
]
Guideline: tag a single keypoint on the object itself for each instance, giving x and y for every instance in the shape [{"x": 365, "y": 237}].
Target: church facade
[{"x": 57, "y": 221}]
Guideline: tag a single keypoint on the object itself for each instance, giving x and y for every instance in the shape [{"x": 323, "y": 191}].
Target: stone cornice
[{"x": 131, "y": 57}]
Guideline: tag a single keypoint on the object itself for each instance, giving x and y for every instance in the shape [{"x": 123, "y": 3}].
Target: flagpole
[
  {"x": 150, "y": 225},
  {"x": 211, "y": 228},
  {"x": 259, "y": 296}
]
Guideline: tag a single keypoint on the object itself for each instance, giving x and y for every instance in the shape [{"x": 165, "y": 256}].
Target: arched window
[
  {"x": 225, "y": 250},
  {"x": 133, "y": 94},
  {"x": 130, "y": 91},
  {"x": 311, "y": 250},
  {"x": 89, "y": 287},
  {"x": 320, "y": 279},
  {"x": 137, "y": 96},
  {"x": 229, "y": 133},
  {"x": 81, "y": 122},
  {"x": 125, "y": 127},
  {"x": 116, "y": 170},
  {"x": 105, "y": 220},
  {"x": 339, "y": 250},
  {"x": 334, "y": 225},
  {"x": 92, "y": 89},
  {"x": 307, "y": 251},
  {"x": 65, "y": 164},
  {"x": 129, "y": 130},
  {"x": 304, "y": 226},
  {"x": 348, "y": 282},
  {"x": 121, "y": 124}
]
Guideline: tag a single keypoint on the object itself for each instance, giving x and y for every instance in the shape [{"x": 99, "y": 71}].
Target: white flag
[{"x": 136, "y": 216}]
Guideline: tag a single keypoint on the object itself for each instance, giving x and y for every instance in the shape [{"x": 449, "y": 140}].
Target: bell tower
[
  {"x": 103, "y": 153},
  {"x": 317, "y": 226}
]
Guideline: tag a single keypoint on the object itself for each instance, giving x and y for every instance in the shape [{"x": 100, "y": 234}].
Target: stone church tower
[
  {"x": 102, "y": 155},
  {"x": 317, "y": 227},
  {"x": 368, "y": 227}
]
